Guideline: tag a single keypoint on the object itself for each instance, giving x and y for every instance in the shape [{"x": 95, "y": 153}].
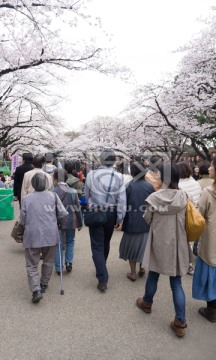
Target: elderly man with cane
[{"x": 40, "y": 215}]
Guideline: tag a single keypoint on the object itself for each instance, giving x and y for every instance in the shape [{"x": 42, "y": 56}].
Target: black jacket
[
  {"x": 137, "y": 192},
  {"x": 18, "y": 178}
]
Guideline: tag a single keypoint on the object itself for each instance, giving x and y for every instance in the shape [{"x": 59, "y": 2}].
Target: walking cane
[{"x": 60, "y": 261}]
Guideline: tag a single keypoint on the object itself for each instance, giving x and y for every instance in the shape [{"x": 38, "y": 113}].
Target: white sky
[{"x": 144, "y": 35}]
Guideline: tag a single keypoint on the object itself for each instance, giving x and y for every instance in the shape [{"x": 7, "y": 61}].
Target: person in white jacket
[{"x": 193, "y": 190}]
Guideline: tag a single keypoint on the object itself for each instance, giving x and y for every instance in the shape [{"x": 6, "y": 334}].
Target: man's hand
[
  {"x": 118, "y": 226},
  {"x": 15, "y": 198}
]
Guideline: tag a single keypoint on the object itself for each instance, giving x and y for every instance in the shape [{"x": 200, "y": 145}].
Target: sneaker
[
  {"x": 36, "y": 296},
  {"x": 68, "y": 267},
  {"x": 102, "y": 286}
]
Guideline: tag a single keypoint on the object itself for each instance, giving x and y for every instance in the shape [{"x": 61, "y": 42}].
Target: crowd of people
[{"x": 146, "y": 200}]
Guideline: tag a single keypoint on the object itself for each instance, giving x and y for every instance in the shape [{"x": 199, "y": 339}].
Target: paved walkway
[{"x": 84, "y": 324}]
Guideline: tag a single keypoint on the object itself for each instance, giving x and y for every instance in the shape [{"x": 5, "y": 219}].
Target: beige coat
[
  {"x": 167, "y": 248},
  {"x": 207, "y": 244},
  {"x": 27, "y": 187},
  {"x": 205, "y": 181}
]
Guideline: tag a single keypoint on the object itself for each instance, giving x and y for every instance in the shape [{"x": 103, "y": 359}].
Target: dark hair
[
  {"x": 107, "y": 157},
  {"x": 137, "y": 168},
  {"x": 203, "y": 169},
  {"x": 69, "y": 166},
  {"x": 28, "y": 158},
  {"x": 38, "y": 161},
  {"x": 40, "y": 181},
  {"x": 185, "y": 170},
  {"x": 49, "y": 157},
  {"x": 122, "y": 167},
  {"x": 169, "y": 175},
  {"x": 154, "y": 162},
  {"x": 60, "y": 175}
]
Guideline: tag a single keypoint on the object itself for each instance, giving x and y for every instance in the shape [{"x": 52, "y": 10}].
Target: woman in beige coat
[
  {"x": 167, "y": 249},
  {"x": 204, "y": 281},
  {"x": 205, "y": 180}
]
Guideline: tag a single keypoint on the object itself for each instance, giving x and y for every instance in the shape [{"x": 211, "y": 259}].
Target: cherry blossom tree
[
  {"x": 170, "y": 117},
  {"x": 106, "y": 132},
  {"x": 37, "y": 39},
  {"x": 181, "y": 112}
]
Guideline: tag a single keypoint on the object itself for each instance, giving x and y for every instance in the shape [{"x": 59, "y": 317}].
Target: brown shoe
[
  {"x": 178, "y": 328},
  {"x": 144, "y": 306},
  {"x": 208, "y": 313}
]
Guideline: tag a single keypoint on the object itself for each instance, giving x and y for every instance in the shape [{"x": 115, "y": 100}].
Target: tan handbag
[{"x": 194, "y": 222}]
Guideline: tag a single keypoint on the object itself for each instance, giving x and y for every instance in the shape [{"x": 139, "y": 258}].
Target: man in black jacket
[{"x": 19, "y": 174}]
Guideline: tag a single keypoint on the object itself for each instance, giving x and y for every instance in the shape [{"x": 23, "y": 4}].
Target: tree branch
[{"x": 54, "y": 61}]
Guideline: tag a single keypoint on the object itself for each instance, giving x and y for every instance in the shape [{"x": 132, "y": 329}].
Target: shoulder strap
[
  {"x": 109, "y": 188},
  {"x": 56, "y": 206}
]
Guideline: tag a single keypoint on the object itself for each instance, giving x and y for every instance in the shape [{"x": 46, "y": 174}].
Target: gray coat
[
  {"x": 39, "y": 217},
  {"x": 167, "y": 248}
]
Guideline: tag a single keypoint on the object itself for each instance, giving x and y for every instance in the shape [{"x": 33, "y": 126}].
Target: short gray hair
[{"x": 40, "y": 181}]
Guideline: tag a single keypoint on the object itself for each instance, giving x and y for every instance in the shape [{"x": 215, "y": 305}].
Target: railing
[
  {"x": 5, "y": 166},
  {"x": 4, "y": 163}
]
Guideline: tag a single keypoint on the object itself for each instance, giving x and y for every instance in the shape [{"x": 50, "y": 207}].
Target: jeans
[
  {"x": 177, "y": 291},
  {"x": 100, "y": 237},
  {"x": 69, "y": 252}
]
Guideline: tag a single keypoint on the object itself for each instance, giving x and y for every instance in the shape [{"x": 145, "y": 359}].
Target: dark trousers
[{"x": 100, "y": 237}]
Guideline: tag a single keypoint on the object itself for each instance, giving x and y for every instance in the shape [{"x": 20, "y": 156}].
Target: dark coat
[
  {"x": 137, "y": 192},
  {"x": 18, "y": 178}
]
